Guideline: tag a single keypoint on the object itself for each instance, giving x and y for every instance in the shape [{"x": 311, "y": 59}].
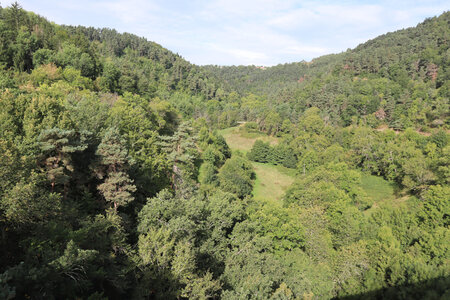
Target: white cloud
[
  {"x": 128, "y": 11},
  {"x": 295, "y": 18},
  {"x": 282, "y": 28},
  {"x": 244, "y": 8},
  {"x": 329, "y": 16},
  {"x": 249, "y": 57},
  {"x": 305, "y": 50}
]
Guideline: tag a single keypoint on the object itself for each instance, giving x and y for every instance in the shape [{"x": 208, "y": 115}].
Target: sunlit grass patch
[
  {"x": 243, "y": 141},
  {"x": 377, "y": 188},
  {"x": 271, "y": 181}
]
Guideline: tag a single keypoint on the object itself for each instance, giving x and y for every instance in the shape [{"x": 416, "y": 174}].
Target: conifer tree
[
  {"x": 57, "y": 146},
  {"x": 113, "y": 165},
  {"x": 181, "y": 151}
]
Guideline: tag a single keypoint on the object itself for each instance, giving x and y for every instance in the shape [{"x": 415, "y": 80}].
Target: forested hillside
[
  {"x": 116, "y": 184},
  {"x": 399, "y": 79}
]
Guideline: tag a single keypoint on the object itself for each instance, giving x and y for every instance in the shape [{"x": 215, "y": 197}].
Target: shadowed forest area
[{"x": 436, "y": 288}]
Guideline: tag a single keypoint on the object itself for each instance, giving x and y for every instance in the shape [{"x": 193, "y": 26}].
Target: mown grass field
[
  {"x": 243, "y": 141},
  {"x": 382, "y": 192},
  {"x": 271, "y": 181}
]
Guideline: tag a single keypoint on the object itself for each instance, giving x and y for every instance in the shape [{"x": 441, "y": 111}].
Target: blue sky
[{"x": 235, "y": 32}]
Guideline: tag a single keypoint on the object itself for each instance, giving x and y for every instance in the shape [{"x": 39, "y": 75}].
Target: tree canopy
[{"x": 117, "y": 183}]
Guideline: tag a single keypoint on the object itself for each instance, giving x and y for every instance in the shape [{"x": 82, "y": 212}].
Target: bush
[
  {"x": 251, "y": 126},
  {"x": 207, "y": 173},
  {"x": 277, "y": 155},
  {"x": 260, "y": 152},
  {"x": 236, "y": 176}
]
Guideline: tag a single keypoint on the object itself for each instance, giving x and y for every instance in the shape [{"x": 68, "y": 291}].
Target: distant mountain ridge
[
  {"x": 399, "y": 79},
  {"x": 395, "y": 65}
]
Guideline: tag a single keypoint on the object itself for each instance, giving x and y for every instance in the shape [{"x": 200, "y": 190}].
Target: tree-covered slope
[
  {"x": 400, "y": 79},
  {"x": 114, "y": 183},
  {"x": 111, "y": 61}
]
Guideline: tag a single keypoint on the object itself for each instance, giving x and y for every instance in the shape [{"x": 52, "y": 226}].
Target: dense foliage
[
  {"x": 115, "y": 185},
  {"x": 399, "y": 79}
]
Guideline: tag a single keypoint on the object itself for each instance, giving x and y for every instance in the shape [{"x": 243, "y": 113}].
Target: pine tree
[
  {"x": 182, "y": 153},
  {"x": 113, "y": 165},
  {"x": 57, "y": 146}
]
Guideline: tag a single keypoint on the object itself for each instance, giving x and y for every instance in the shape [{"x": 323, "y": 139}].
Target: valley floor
[{"x": 272, "y": 181}]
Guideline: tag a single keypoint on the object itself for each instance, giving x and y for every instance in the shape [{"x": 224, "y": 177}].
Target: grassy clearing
[
  {"x": 377, "y": 188},
  {"x": 271, "y": 181},
  {"x": 243, "y": 141},
  {"x": 382, "y": 192}
]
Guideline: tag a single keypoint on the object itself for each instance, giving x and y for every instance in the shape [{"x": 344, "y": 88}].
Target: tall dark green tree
[
  {"x": 113, "y": 166},
  {"x": 237, "y": 176},
  {"x": 57, "y": 146},
  {"x": 260, "y": 152},
  {"x": 181, "y": 152}
]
